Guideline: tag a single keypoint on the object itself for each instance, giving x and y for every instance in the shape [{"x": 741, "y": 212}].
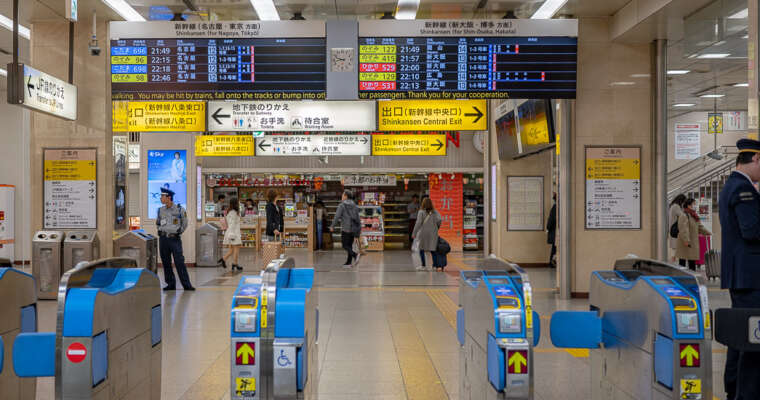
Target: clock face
[{"x": 342, "y": 59}]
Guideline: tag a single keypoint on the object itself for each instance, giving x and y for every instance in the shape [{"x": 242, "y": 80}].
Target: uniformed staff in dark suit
[
  {"x": 172, "y": 222},
  {"x": 739, "y": 207}
]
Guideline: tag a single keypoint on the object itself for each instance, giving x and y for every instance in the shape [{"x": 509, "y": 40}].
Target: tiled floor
[{"x": 386, "y": 332}]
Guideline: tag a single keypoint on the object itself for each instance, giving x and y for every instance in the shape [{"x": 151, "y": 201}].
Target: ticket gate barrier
[
  {"x": 497, "y": 330},
  {"x": 107, "y": 343},
  {"x": 47, "y": 263},
  {"x": 18, "y": 315},
  {"x": 274, "y": 324},
  {"x": 208, "y": 246},
  {"x": 79, "y": 246},
  {"x": 739, "y": 329},
  {"x": 649, "y": 331},
  {"x": 138, "y": 245}
]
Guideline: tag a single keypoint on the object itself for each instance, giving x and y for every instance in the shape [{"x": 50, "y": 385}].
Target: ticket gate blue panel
[
  {"x": 34, "y": 354},
  {"x": 460, "y": 326},
  {"x": 576, "y": 329},
  {"x": 663, "y": 360},
  {"x": 155, "y": 325},
  {"x": 2, "y": 354},
  {"x": 301, "y": 278},
  {"x": 290, "y": 313},
  {"x": 283, "y": 277},
  {"x": 536, "y": 328},
  {"x": 29, "y": 319},
  {"x": 302, "y": 367},
  {"x": 496, "y": 363},
  {"x": 99, "y": 358}
]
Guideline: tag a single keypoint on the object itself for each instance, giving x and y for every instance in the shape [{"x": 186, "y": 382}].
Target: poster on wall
[
  {"x": 120, "y": 181},
  {"x": 613, "y": 188},
  {"x": 493, "y": 194},
  {"x": 71, "y": 192},
  {"x": 705, "y": 211},
  {"x": 687, "y": 143},
  {"x": 166, "y": 169},
  {"x": 446, "y": 191},
  {"x": 525, "y": 203},
  {"x": 735, "y": 120}
]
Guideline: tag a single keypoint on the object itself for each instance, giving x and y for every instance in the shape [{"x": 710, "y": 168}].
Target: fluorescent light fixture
[
  {"x": 684, "y": 105},
  {"x": 640, "y": 75},
  {"x": 3, "y": 72},
  {"x": 407, "y": 9},
  {"x": 745, "y": 37},
  {"x": 678, "y": 71},
  {"x": 712, "y": 96},
  {"x": 622, "y": 83},
  {"x": 741, "y": 85},
  {"x": 266, "y": 10},
  {"x": 7, "y": 23},
  {"x": 743, "y": 14},
  {"x": 126, "y": 11},
  {"x": 713, "y": 55},
  {"x": 548, "y": 9}
]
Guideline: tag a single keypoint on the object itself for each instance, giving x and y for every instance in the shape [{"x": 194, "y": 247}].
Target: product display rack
[
  {"x": 396, "y": 224},
  {"x": 473, "y": 219}
]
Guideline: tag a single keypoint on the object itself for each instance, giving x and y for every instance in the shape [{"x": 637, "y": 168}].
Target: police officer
[
  {"x": 739, "y": 205},
  {"x": 172, "y": 221}
]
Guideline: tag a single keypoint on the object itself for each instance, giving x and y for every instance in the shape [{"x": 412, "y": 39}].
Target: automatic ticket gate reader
[
  {"x": 497, "y": 330},
  {"x": 649, "y": 331},
  {"x": 18, "y": 315},
  {"x": 274, "y": 325},
  {"x": 107, "y": 343}
]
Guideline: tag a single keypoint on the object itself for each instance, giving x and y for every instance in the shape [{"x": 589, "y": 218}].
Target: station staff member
[
  {"x": 739, "y": 207},
  {"x": 172, "y": 222}
]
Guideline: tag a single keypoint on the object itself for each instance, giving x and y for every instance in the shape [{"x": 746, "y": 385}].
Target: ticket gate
[
  {"x": 107, "y": 343},
  {"x": 274, "y": 324},
  {"x": 18, "y": 315},
  {"x": 739, "y": 329},
  {"x": 79, "y": 246},
  {"x": 497, "y": 330},
  {"x": 138, "y": 245},
  {"x": 648, "y": 329}
]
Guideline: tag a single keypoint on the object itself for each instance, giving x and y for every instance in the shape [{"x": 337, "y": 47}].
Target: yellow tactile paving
[{"x": 445, "y": 305}]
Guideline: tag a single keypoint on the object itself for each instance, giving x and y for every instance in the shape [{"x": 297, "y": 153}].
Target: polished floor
[{"x": 386, "y": 332}]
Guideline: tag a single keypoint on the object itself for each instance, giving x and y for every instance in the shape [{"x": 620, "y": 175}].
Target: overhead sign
[
  {"x": 70, "y": 188},
  {"x": 314, "y": 145},
  {"x": 248, "y": 116},
  {"x": 72, "y": 7},
  {"x": 369, "y": 180},
  {"x": 224, "y": 146},
  {"x": 42, "y": 92},
  {"x": 613, "y": 188},
  {"x": 426, "y": 115},
  {"x": 408, "y": 145},
  {"x": 120, "y": 116},
  {"x": 715, "y": 123},
  {"x": 166, "y": 116}
]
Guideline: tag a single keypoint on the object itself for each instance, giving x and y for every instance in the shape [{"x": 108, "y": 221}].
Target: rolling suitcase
[{"x": 712, "y": 264}]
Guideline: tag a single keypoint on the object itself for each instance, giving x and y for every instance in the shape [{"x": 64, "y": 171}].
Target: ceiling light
[
  {"x": 678, "y": 71},
  {"x": 743, "y": 14},
  {"x": 684, "y": 105},
  {"x": 407, "y": 9},
  {"x": 712, "y": 96},
  {"x": 741, "y": 84},
  {"x": 640, "y": 75},
  {"x": 7, "y": 23},
  {"x": 266, "y": 10},
  {"x": 124, "y": 10},
  {"x": 745, "y": 37},
  {"x": 3, "y": 72},
  {"x": 548, "y": 9},
  {"x": 713, "y": 55},
  {"x": 622, "y": 83}
]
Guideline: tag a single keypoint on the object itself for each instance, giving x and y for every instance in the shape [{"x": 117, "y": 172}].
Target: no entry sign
[{"x": 76, "y": 352}]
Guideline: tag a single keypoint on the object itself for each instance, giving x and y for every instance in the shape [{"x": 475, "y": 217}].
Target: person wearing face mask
[{"x": 739, "y": 210}]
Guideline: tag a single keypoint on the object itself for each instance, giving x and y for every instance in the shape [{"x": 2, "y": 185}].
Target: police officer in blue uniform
[
  {"x": 739, "y": 207},
  {"x": 172, "y": 222}
]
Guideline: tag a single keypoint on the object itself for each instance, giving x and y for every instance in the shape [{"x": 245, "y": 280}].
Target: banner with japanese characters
[
  {"x": 446, "y": 191},
  {"x": 226, "y": 116}
]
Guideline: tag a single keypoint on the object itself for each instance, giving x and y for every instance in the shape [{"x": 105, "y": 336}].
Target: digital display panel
[
  {"x": 467, "y": 67},
  {"x": 218, "y": 69}
]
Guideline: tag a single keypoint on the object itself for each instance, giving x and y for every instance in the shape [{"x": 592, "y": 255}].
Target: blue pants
[
  {"x": 742, "y": 374},
  {"x": 319, "y": 235},
  {"x": 170, "y": 247},
  {"x": 433, "y": 255}
]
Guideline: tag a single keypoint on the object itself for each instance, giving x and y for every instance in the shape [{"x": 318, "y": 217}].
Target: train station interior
[{"x": 379, "y": 199}]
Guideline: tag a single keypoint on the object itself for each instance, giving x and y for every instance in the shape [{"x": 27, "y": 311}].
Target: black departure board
[
  {"x": 467, "y": 67},
  {"x": 208, "y": 69}
]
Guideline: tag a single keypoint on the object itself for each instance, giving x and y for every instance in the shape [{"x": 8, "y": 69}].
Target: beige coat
[{"x": 688, "y": 233}]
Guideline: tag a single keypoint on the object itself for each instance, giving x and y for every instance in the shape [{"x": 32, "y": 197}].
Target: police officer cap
[
  {"x": 748, "y": 145},
  {"x": 168, "y": 192}
]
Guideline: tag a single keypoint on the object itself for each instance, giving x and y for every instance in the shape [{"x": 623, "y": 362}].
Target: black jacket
[
  {"x": 275, "y": 219},
  {"x": 551, "y": 225}
]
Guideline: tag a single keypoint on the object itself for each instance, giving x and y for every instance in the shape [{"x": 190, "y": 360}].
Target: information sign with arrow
[
  {"x": 613, "y": 188},
  {"x": 42, "y": 92},
  {"x": 70, "y": 188},
  {"x": 517, "y": 362},
  {"x": 313, "y": 145},
  {"x": 432, "y": 115},
  {"x": 409, "y": 145}
]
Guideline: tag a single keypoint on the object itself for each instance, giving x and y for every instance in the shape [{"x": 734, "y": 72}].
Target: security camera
[
  {"x": 94, "y": 48},
  {"x": 93, "y": 45}
]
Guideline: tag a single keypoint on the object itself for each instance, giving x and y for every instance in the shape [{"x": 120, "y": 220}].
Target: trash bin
[
  {"x": 138, "y": 245},
  {"x": 46, "y": 262},
  {"x": 208, "y": 248},
  {"x": 80, "y": 246}
]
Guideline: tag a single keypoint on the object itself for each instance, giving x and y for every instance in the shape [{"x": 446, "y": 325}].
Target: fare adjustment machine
[
  {"x": 649, "y": 332},
  {"x": 497, "y": 330}
]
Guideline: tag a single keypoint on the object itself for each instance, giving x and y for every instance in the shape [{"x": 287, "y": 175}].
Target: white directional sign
[
  {"x": 227, "y": 116},
  {"x": 314, "y": 145},
  {"x": 40, "y": 91}
]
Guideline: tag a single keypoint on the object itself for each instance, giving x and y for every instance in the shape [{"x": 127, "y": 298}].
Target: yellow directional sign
[
  {"x": 714, "y": 123},
  {"x": 70, "y": 170},
  {"x": 408, "y": 145},
  {"x": 120, "y": 116},
  {"x": 244, "y": 354},
  {"x": 227, "y": 145},
  {"x": 166, "y": 116},
  {"x": 432, "y": 115}
]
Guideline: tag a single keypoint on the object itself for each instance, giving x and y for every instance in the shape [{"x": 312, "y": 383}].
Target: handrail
[
  {"x": 708, "y": 177},
  {"x": 704, "y": 157}
]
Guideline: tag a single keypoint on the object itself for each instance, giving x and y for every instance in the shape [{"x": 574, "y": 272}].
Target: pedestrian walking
[
  {"x": 347, "y": 215},
  {"x": 426, "y": 230},
  {"x": 675, "y": 211},
  {"x": 232, "y": 238}
]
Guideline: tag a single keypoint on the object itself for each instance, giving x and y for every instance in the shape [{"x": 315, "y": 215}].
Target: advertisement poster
[
  {"x": 71, "y": 192},
  {"x": 613, "y": 188},
  {"x": 446, "y": 194},
  {"x": 120, "y": 181},
  {"x": 705, "y": 212},
  {"x": 687, "y": 141},
  {"x": 166, "y": 169}
]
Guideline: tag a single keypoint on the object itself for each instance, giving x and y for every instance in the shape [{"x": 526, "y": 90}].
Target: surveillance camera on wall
[{"x": 94, "y": 48}]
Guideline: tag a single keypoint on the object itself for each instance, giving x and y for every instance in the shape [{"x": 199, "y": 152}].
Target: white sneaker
[
  {"x": 356, "y": 260},
  {"x": 421, "y": 268},
  {"x": 347, "y": 266}
]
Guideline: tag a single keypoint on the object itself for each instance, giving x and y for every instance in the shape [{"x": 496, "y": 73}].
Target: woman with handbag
[
  {"x": 689, "y": 229},
  {"x": 675, "y": 211},
  {"x": 275, "y": 216},
  {"x": 232, "y": 238},
  {"x": 426, "y": 232}
]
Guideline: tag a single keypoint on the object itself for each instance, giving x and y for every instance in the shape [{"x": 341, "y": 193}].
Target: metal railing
[{"x": 704, "y": 176}]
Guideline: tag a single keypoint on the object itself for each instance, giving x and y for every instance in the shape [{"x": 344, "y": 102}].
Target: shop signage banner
[
  {"x": 71, "y": 192},
  {"x": 246, "y": 116},
  {"x": 687, "y": 143},
  {"x": 714, "y": 123},
  {"x": 369, "y": 180},
  {"x": 224, "y": 146},
  {"x": 613, "y": 188},
  {"x": 41, "y": 92},
  {"x": 313, "y": 145},
  {"x": 166, "y": 116},
  {"x": 166, "y": 169},
  {"x": 446, "y": 192},
  {"x": 432, "y": 115},
  {"x": 408, "y": 145}
]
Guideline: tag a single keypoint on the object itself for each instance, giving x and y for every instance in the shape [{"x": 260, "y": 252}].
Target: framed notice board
[
  {"x": 525, "y": 203},
  {"x": 613, "y": 187},
  {"x": 70, "y": 188}
]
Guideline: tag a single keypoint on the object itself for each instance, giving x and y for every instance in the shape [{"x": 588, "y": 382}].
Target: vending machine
[{"x": 7, "y": 193}]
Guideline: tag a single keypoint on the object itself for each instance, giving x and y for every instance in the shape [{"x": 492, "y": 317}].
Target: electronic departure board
[
  {"x": 218, "y": 68},
  {"x": 467, "y": 67}
]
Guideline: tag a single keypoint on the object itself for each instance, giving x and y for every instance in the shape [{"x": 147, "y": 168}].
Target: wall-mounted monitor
[{"x": 525, "y": 127}]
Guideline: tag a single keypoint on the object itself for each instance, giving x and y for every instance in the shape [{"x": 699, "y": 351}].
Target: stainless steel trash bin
[
  {"x": 80, "y": 246},
  {"x": 138, "y": 245},
  {"x": 46, "y": 262},
  {"x": 208, "y": 245}
]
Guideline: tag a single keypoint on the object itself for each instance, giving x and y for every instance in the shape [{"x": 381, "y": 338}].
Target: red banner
[{"x": 446, "y": 194}]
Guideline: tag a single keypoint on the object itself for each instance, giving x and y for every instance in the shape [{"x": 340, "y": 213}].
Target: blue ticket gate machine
[
  {"x": 497, "y": 330},
  {"x": 648, "y": 329},
  {"x": 274, "y": 325},
  {"x": 107, "y": 343},
  {"x": 18, "y": 315}
]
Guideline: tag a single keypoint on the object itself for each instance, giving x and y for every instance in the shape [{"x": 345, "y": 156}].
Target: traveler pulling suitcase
[{"x": 271, "y": 250}]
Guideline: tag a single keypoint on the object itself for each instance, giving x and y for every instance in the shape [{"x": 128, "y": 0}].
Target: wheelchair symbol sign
[
  {"x": 283, "y": 360},
  {"x": 754, "y": 330}
]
